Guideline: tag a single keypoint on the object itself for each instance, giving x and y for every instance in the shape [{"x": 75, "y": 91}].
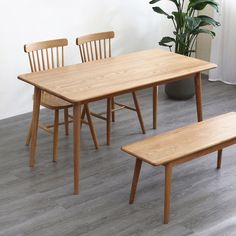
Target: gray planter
[{"x": 180, "y": 90}]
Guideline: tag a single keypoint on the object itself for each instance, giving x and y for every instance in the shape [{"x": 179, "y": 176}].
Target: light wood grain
[
  {"x": 138, "y": 110},
  {"x": 95, "y": 37},
  {"x": 181, "y": 145},
  {"x": 113, "y": 108},
  {"x": 45, "y": 44},
  {"x": 168, "y": 176},
  {"x": 93, "y": 81},
  {"x": 28, "y": 137},
  {"x": 155, "y": 106},
  {"x": 219, "y": 159},
  {"x": 55, "y": 135},
  {"x": 52, "y": 102},
  {"x": 138, "y": 165},
  {"x": 76, "y": 130},
  {"x": 189, "y": 141},
  {"x": 90, "y": 123},
  {"x": 34, "y": 125},
  {"x": 44, "y": 56},
  {"x": 66, "y": 119},
  {"x": 46, "y": 53},
  {"x": 116, "y": 75},
  {"x": 108, "y": 121},
  {"x": 93, "y": 47},
  {"x": 198, "y": 92},
  {"x": 90, "y": 46}
]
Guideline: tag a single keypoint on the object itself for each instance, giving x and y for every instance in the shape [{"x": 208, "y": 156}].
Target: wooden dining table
[{"x": 84, "y": 83}]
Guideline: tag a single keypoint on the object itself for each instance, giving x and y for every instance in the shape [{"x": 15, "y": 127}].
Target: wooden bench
[{"x": 182, "y": 145}]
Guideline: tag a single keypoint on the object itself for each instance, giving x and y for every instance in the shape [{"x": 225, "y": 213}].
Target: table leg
[
  {"x": 154, "y": 97},
  {"x": 198, "y": 92},
  {"x": 77, "y": 120},
  {"x": 34, "y": 125}
]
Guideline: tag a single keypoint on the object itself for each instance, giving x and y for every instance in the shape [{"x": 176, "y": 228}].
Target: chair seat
[{"x": 53, "y": 102}]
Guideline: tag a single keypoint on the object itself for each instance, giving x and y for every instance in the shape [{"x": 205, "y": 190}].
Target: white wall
[{"x": 135, "y": 24}]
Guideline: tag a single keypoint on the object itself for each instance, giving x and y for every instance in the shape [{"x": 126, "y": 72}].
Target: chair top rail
[{"x": 45, "y": 44}]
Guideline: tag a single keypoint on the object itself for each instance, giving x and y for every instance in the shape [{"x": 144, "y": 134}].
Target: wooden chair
[
  {"x": 48, "y": 55},
  {"x": 97, "y": 47}
]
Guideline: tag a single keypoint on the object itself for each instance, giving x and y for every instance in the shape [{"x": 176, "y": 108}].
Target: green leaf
[
  {"x": 165, "y": 42},
  {"x": 165, "y": 45},
  {"x": 205, "y": 31},
  {"x": 192, "y": 23},
  {"x": 181, "y": 38},
  {"x": 160, "y": 11},
  {"x": 187, "y": 27},
  {"x": 201, "y": 4},
  {"x": 174, "y": 1},
  {"x": 154, "y": 1},
  {"x": 179, "y": 18},
  {"x": 206, "y": 20}
]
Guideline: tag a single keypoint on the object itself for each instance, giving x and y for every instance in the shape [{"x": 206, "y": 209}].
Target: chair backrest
[
  {"x": 46, "y": 54},
  {"x": 95, "y": 46}
]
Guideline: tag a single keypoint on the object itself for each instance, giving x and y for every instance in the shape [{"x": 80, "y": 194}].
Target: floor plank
[{"x": 41, "y": 201}]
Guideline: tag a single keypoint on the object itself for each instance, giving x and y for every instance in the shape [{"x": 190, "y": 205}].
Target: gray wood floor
[{"x": 41, "y": 201}]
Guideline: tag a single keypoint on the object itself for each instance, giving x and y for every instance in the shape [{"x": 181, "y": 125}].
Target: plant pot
[{"x": 180, "y": 90}]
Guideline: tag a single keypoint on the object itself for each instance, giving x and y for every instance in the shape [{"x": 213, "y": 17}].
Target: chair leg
[
  {"x": 137, "y": 169},
  {"x": 55, "y": 135},
  {"x": 83, "y": 115},
  {"x": 168, "y": 176},
  {"x": 66, "y": 121},
  {"x": 113, "y": 107},
  {"x": 108, "y": 121},
  {"x": 28, "y": 138},
  {"x": 90, "y": 123},
  {"x": 138, "y": 112},
  {"x": 219, "y": 159}
]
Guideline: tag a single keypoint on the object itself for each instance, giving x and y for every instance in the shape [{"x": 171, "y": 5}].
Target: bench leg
[
  {"x": 219, "y": 159},
  {"x": 137, "y": 169},
  {"x": 168, "y": 175}
]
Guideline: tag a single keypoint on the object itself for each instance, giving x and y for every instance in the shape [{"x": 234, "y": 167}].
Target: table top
[
  {"x": 116, "y": 75},
  {"x": 186, "y": 141}
]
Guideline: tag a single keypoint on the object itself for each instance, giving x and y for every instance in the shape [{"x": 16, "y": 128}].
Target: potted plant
[{"x": 188, "y": 24}]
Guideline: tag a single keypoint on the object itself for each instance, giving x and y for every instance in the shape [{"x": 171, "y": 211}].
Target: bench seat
[
  {"x": 181, "y": 145},
  {"x": 195, "y": 139}
]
